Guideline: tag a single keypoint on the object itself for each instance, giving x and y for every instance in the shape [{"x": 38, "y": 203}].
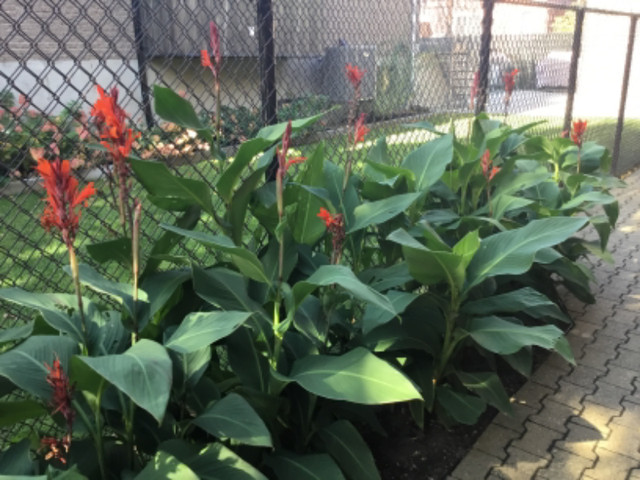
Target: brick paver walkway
[{"x": 580, "y": 422}]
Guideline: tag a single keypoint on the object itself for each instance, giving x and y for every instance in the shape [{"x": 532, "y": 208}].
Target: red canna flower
[
  {"x": 205, "y": 59},
  {"x": 335, "y": 226},
  {"x": 510, "y": 81},
  {"x": 360, "y": 129},
  {"x": 494, "y": 172},
  {"x": 63, "y": 199},
  {"x": 283, "y": 163},
  {"x": 486, "y": 162},
  {"x": 578, "y": 131},
  {"x": 57, "y": 448},
  {"x": 62, "y": 393},
  {"x": 354, "y": 74}
]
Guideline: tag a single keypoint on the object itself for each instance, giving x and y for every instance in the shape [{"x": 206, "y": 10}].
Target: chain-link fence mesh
[{"x": 421, "y": 57}]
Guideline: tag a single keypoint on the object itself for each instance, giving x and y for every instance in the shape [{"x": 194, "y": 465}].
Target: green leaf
[
  {"x": 17, "y": 411},
  {"x": 307, "y": 227},
  {"x": 24, "y": 365},
  {"x": 161, "y": 286},
  {"x": 503, "y": 204},
  {"x": 166, "y": 466},
  {"x": 118, "y": 250},
  {"x": 244, "y": 259},
  {"x": 250, "y": 365},
  {"x": 467, "y": 247},
  {"x": 311, "y": 321},
  {"x": 319, "y": 466},
  {"x": 374, "y": 213},
  {"x": 18, "y": 332},
  {"x": 123, "y": 292},
  {"x": 589, "y": 198},
  {"x": 346, "y": 446},
  {"x": 143, "y": 373},
  {"x": 274, "y": 132},
  {"x": 357, "y": 376},
  {"x": 525, "y": 300},
  {"x": 428, "y": 266},
  {"x": 16, "y": 461},
  {"x": 231, "y": 176},
  {"x": 505, "y": 338},
  {"x": 512, "y": 252},
  {"x": 343, "y": 276},
  {"x": 487, "y": 385},
  {"x": 159, "y": 182},
  {"x": 213, "y": 462},
  {"x": 374, "y": 317},
  {"x": 461, "y": 407},
  {"x": 429, "y": 161},
  {"x": 173, "y": 108},
  {"x": 233, "y": 417},
  {"x": 200, "y": 329}
]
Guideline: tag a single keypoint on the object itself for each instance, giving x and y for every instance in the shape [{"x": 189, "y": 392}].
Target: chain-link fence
[{"x": 436, "y": 60}]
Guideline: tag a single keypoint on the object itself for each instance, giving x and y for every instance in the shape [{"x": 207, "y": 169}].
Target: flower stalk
[
  {"x": 577, "y": 134},
  {"x": 214, "y": 63},
  {"x": 355, "y": 76},
  {"x": 488, "y": 171},
  {"x": 509, "y": 86}
]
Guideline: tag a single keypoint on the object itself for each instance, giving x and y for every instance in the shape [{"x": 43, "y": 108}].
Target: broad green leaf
[
  {"x": 525, "y": 300},
  {"x": 143, "y": 373},
  {"x": 429, "y": 161},
  {"x": 319, "y": 466},
  {"x": 462, "y": 407},
  {"x": 243, "y": 258},
  {"x": 373, "y": 317},
  {"x": 346, "y": 446},
  {"x": 16, "y": 461},
  {"x": 231, "y": 176},
  {"x": 200, "y": 329},
  {"x": 374, "y": 213},
  {"x": 166, "y": 466},
  {"x": 512, "y": 252},
  {"x": 173, "y": 108},
  {"x": 250, "y": 365},
  {"x": 159, "y": 182},
  {"x": 118, "y": 250},
  {"x": 588, "y": 198},
  {"x": 505, "y": 338},
  {"x": 18, "y": 332},
  {"x": 233, "y": 417},
  {"x": 357, "y": 376},
  {"x": 467, "y": 247},
  {"x": 428, "y": 266},
  {"x": 274, "y": 132},
  {"x": 24, "y": 365},
  {"x": 343, "y": 276},
  {"x": 522, "y": 181},
  {"x": 487, "y": 385},
  {"x": 15, "y": 412},
  {"x": 503, "y": 204},
  {"x": 190, "y": 367},
  {"x": 311, "y": 321},
  {"x": 161, "y": 286},
  {"x": 307, "y": 227},
  {"x": 212, "y": 462},
  {"x": 122, "y": 292},
  {"x": 52, "y": 306}
]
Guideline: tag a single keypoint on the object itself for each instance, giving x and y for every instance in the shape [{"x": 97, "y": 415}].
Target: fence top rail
[{"x": 575, "y": 8}]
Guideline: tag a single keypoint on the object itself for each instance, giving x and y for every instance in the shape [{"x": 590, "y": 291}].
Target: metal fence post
[
  {"x": 266, "y": 58},
  {"x": 485, "y": 56},
  {"x": 573, "y": 69},
  {"x": 141, "y": 55},
  {"x": 623, "y": 94}
]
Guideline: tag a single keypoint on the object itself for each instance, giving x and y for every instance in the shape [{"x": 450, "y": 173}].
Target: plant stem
[
  {"x": 73, "y": 263},
  {"x": 218, "y": 117},
  {"x": 95, "y": 433},
  {"x": 135, "y": 253}
]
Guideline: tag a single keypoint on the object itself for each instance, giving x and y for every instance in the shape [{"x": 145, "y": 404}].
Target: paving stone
[
  {"x": 547, "y": 375},
  {"x": 595, "y": 359},
  {"x": 623, "y": 440},
  {"x": 629, "y": 415},
  {"x": 580, "y": 440},
  {"x": 633, "y": 343},
  {"x": 571, "y": 394},
  {"x": 583, "y": 375},
  {"x": 625, "y": 316},
  {"x": 627, "y": 359},
  {"x": 621, "y": 377},
  {"x": 596, "y": 417},
  {"x": 531, "y": 394},
  {"x": 631, "y": 302},
  {"x": 557, "y": 361},
  {"x": 495, "y": 440},
  {"x": 584, "y": 330},
  {"x": 610, "y": 466},
  {"x": 520, "y": 465},
  {"x": 537, "y": 439},
  {"x": 564, "y": 465},
  {"x": 612, "y": 328},
  {"x": 608, "y": 395},
  {"x": 574, "y": 305},
  {"x": 578, "y": 344},
  {"x": 605, "y": 343},
  {"x": 599, "y": 311},
  {"x": 554, "y": 415},
  {"x": 475, "y": 465},
  {"x": 515, "y": 421},
  {"x": 634, "y": 475}
]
